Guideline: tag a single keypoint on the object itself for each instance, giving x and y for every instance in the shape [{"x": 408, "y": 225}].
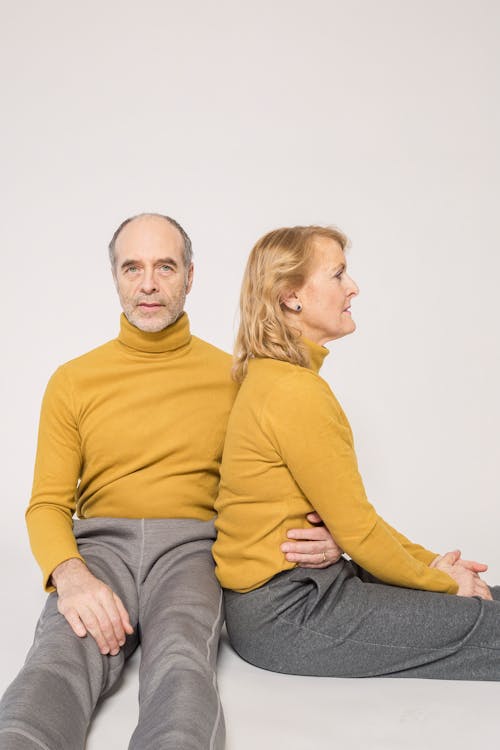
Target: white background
[{"x": 235, "y": 118}]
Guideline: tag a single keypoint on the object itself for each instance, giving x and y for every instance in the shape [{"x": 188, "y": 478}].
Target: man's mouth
[{"x": 149, "y": 305}]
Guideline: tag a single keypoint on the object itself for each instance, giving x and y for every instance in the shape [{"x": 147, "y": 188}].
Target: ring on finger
[{"x": 324, "y": 557}]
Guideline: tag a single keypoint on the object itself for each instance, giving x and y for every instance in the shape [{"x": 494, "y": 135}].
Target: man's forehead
[{"x": 147, "y": 233}]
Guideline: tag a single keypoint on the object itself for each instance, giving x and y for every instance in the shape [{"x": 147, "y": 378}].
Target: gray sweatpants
[
  {"x": 342, "y": 622},
  {"x": 163, "y": 572}
]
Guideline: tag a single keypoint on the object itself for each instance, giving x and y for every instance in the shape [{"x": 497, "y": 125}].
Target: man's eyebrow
[
  {"x": 167, "y": 262},
  {"x": 127, "y": 263},
  {"x": 161, "y": 261}
]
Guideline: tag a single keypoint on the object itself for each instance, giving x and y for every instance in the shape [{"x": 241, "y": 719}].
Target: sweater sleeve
[
  {"x": 57, "y": 470},
  {"x": 415, "y": 550},
  {"x": 311, "y": 433}
]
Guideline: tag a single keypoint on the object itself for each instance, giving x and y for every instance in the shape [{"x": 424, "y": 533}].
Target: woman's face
[{"x": 325, "y": 297}]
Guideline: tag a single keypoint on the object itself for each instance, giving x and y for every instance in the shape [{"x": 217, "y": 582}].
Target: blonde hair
[{"x": 278, "y": 262}]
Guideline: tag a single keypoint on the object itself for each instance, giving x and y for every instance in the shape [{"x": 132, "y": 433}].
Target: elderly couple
[{"x": 131, "y": 438}]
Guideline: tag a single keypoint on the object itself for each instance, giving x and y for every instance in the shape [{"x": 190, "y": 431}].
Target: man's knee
[{"x": 18, "y": 739}]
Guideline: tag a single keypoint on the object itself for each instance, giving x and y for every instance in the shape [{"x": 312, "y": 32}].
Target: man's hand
[
  {"x": 317, "y": 548},
  {"x": 465, "y": 573},
  {"x": 90, "y": 606}
]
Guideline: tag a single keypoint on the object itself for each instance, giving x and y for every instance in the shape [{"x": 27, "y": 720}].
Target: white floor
[{"x": 266, "y": 711}]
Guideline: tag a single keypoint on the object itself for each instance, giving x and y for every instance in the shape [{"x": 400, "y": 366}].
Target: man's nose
[{"x": 149, "y": 284}]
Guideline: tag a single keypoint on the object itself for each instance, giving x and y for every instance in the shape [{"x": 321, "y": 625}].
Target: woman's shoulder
[
  {"x": 284, "y": 379},
  {"x": 284, "y": 395},
  {"x": 266, "y": 367}
]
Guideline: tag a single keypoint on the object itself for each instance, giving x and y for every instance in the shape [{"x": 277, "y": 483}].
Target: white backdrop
[{"x": 235, "y": 118}]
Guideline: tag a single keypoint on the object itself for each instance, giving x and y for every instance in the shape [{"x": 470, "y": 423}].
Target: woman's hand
[
  {"x": 316, "y": 548},
  {"x": 472, "y": 565},
  {"x": 464, "y": 573}
]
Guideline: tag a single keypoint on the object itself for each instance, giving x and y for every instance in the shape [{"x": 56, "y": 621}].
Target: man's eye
[
  {"x": 166, "y": 268},
  {"x": 131, "y": 269}
]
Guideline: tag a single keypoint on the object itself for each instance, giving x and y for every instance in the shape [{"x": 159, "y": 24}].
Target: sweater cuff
[{"x": 48, "y": 569}]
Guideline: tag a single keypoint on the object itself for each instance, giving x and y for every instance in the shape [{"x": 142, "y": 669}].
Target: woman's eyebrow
[{"x": 334, "y": 269}]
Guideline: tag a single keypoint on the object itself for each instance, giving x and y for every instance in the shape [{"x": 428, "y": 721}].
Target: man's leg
[
  {"x": 51, "y": 701},
  {"x": 180, "y": 621}
]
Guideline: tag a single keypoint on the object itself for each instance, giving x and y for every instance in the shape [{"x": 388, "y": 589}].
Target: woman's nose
[{"x": 353, "y": 288}]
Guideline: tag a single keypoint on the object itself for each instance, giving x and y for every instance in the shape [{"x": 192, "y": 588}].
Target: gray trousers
[
  {"x": 342, "y": 622},
  {"x": 163, "y": 571}
]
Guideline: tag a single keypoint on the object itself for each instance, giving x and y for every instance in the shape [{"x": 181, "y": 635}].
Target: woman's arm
[
  {"x": 310, "y": 432},
  {"x": 413, "y": 549},
  {"x": 314, "y": 546}
]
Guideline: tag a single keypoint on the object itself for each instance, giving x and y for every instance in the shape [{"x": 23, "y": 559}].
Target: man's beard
[{"x": 167, "y": 314}]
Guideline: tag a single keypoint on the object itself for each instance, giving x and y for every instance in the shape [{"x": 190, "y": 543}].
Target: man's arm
[
  {"x": 57, "y": 470},
  {"x": 87, "y": 603}
]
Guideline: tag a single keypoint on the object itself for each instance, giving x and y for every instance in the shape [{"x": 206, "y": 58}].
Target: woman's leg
[{"x": 333, "y": 623}]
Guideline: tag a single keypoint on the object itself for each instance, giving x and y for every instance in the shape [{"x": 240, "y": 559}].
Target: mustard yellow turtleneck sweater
[
  {"x": 289, "y": 449},
  {"x": 132, "y": 429}
]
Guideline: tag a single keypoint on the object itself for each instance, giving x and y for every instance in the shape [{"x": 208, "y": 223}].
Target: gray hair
[{"x": 187, "y": 249}]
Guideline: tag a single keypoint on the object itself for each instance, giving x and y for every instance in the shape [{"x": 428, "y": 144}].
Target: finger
[
  {"x": 483, "y": 590},
  {"x": 315, "y": 533},
  {"x": 450, "y": 558},
  {"x": 485, "y": 594},
  {"x": 299, "y": 557},
  {"x": 318, "y": 558},
  {"x": 113, "y": 615},
  {"x": 124, "y": 616},
  {"x": 304, "y": 548},
  {"x": 317, "y": 562},
  {"x": 314, "y": 517},
  {"x": 475, "y": 566},
  {"x": 75, "y": 623},
  {"x": 111, "y": 626},
  {"x": 99, "y": 626},
  {"x": 92, "y": 625}
]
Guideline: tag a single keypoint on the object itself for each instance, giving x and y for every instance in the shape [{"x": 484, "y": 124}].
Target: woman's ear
[{"x": 290, "y": 301}]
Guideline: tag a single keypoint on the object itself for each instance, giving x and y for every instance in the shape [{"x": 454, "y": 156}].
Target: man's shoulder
[
  {"x": 92, "y": 358},
  {"x": 216, "y": 355}
]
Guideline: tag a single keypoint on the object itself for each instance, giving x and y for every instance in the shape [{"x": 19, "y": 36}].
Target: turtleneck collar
[
  {"x": 317, "y": 353},
  {"x": 172, "y": 337}
]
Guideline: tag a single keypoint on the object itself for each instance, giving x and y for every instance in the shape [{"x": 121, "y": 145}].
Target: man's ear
[
  {"x": 113, "y": 274},
  {"x": 189, "y": 278}
]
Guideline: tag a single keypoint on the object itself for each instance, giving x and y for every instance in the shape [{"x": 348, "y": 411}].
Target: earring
[{"x": 298, "y": 307}]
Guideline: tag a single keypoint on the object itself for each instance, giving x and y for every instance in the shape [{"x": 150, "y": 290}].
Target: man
[{"x": 131, "y": 437}]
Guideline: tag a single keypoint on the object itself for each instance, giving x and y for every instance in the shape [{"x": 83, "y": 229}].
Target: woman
[{"x": 395, "y": 608}]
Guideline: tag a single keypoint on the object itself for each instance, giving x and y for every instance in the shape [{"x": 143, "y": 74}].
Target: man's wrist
[{"x": 69, "y": 566}]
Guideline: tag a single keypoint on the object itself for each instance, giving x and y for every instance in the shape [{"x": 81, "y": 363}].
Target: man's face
[{"x": 149, "y": 273}]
